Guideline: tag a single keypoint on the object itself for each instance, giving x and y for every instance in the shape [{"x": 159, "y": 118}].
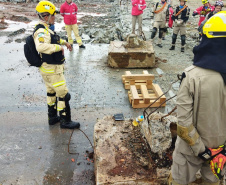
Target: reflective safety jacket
[
  {"x": 48, "y": 44},
  {"x": 69, "y": 11},
  {"x": 136, "y": 4},
  {"x": 203, "y": 12}
]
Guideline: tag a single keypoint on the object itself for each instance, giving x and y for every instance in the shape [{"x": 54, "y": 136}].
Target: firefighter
[
  {"x": 69, "y": 11},
  {"x": 180, "y": 17},
  {"x": 160, "y": 14},
  {"x": 203, "y": 10},
  {"x": 48, "y": 44},
  {"x": 201, "y": 105},
  {"x": 137, "y": 10}
]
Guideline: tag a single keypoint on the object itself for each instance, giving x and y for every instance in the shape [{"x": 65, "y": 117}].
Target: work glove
[
  {"x": 167, "y": 25},
  {"x": 194, "y": 14},
  {"x": 208, "y": 10},
  {"x": 203, "y": 12},
  {"x": 217, "y": 164},
  {"x": 209, "y": 153}
]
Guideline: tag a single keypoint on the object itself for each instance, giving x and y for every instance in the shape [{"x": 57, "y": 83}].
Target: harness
[
  {"x": 178, "y": 13},
  {"x": 161, "y": 9}
]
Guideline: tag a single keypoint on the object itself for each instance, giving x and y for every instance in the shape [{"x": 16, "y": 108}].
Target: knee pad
[
  {"x": 66, "y": 98},
  {"x": 174, "y": 36},
  {"x": 154, "y": 31},
  {"x": 51, "y": 94},
  {"x": 183, "y": 37},
  {"x": 161, "y": 30}
]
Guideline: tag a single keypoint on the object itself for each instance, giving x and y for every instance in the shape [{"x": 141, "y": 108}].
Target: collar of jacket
[{"x": 210, "y": 54}]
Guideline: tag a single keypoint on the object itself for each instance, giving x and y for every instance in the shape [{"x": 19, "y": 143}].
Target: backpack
[{"x": 30, "y": 51}]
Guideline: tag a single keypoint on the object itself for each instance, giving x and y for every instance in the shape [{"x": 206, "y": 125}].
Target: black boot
[
  {"x": 172, "y": 48},
  {"x": 65, "y": 115},
  {"x": 82, "y": 46},
  {"x": 182, "y": 49},
  {"x": 52, "y": 115}
]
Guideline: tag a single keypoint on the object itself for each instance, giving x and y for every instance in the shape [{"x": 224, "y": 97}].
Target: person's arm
[
  {"x": 187, "y": 15},
  {"x": 198, "y": 10},
  {"x": 42, "y": 39},
  {"x": 167, "y": 15},
  {"x": 143, "y": 5},
  {"x": 134, "y": 2},
  {"x": 185, "y": 127},
  {"x": 76, "y": 8},
  {"x": 62, "y": 10}
]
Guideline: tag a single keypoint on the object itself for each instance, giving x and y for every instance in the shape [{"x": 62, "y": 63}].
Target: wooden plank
[
  {"x": 157, "y": 90},
  {"x": 139, "y": 77},
  {"x": 135, "y": 95},
  {"x": 126, "y": 73},
  {"x": 145, "y": 94}
]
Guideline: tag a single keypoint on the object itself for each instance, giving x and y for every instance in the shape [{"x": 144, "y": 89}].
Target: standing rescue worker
[
  {"x": 69, "y": 10},
  {"x": 137, "y": 10},
  {"x": 180, "y": 17},
  {"x": 161, "y": 17},
  {"x": 203, "y": 10},
  {"x": 201, "y": 105},
  {"x": 48, "y": 44}
]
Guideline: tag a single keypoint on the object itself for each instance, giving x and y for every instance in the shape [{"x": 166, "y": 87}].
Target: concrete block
[{"x": 121, "y": 55}]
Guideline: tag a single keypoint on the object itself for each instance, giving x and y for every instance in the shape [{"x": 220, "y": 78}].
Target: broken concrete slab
[
  {"x": 157, "y": 132},
  {"x": 121, "y": 156},
  {"x": 134, "y": 53}
]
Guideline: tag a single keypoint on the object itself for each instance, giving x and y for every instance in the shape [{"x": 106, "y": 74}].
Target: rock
[{"x": 157, "y": 132}]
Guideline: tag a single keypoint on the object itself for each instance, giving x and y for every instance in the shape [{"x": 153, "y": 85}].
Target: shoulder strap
[
  {"x": 161, "y": 9},
  {"x": 178, "y": 13},
  {"x": 37, "y": 27}
]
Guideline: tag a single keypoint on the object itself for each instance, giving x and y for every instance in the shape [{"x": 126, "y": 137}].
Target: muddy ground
[{"x": 31, "y": 151}]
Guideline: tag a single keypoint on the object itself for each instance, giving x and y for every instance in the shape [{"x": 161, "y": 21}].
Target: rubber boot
[
  {"x": 159, "y": 43},
  {"x": 172, "y": 47},
  {"x": 52, "y": 115},
  {"x": 182, "y": 49},
  {"x": 65, "y": 118}
]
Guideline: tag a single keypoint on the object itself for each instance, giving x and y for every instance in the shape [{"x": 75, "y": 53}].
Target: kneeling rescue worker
[
  {"x": 201, "y": 105},
  {"x": 48, "y": 44}
]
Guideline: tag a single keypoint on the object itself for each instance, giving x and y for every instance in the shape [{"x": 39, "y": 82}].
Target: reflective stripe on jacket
[{"x": 69, "y": 11}]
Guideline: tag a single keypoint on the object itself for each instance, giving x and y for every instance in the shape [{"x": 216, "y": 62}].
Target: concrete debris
[{"x": 157, "y": 132}]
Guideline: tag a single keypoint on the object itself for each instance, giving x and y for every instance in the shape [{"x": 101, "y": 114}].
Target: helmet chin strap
[{"x": 47, "y": 22}]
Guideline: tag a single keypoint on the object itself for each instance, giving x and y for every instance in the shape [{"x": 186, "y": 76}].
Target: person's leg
[
  {"x": 140, "y": 24},
  {"x": 134, "y": 18},
  {"x": 174, "y": 37},
  {"x": 51, "y": 96},
  {"x": 58, "y": 83},
  {"x": 68, "y": 30},
  {"x": 183, "y": 37},
  {"x": 184, "y": 168},
  {"x": 77, "y": 37}
]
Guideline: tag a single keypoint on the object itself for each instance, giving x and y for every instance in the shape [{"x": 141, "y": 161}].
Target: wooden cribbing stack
[{"x": 142, "y": 92}]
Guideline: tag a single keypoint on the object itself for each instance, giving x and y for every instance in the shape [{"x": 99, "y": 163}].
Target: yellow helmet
[
  {"x": 46, "y": 6},
  {"x": 204, "y": 1},
  {"x": 184, "y": 0},
  {"x": 216, "y": 26}
]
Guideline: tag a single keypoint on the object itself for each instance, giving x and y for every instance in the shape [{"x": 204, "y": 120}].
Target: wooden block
[
  {"x": 126, "y": 73},
  {"x": 145, "y": 94},
  {"x": 139, "y": 77},
  {"x": 135, "y": 96}
]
